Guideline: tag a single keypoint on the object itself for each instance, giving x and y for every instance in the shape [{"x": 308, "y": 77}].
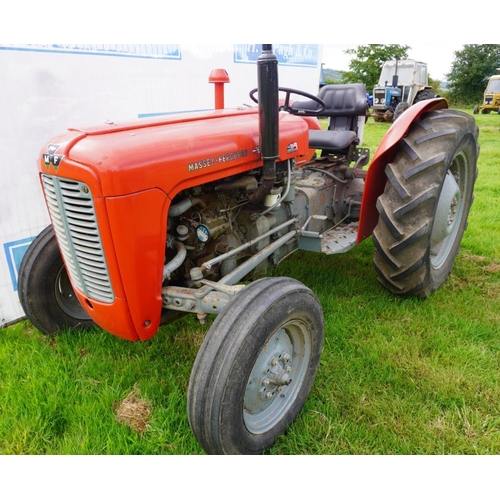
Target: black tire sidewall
[
  {"x": 231, "y": 360},
  {"x": 271, "y": 321},
  {"x": 409, "y": 205},
  {"x": 38, "y": 274}
]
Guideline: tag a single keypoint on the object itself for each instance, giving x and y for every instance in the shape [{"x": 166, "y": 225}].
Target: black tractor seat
[
  {"x": 345, "y": 104},
  {"x": 340, "y": 140}
]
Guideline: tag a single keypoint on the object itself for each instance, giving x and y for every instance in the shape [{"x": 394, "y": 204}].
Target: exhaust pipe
[{"x": 267, "y": 83}]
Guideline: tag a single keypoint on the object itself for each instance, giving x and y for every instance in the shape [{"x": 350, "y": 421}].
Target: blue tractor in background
[
  {"x": 369, "y": 100},
  {"x": 401, "y": 84}
]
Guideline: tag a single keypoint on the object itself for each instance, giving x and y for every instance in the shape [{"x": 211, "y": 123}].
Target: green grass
[{"x": 397, "y": 376}]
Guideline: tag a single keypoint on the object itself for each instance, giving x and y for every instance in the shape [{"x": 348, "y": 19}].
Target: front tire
[
  {"x": 44, "y": 289},
  {"x": 256, "y": 367},
  {"x": 426, "y": 202}
]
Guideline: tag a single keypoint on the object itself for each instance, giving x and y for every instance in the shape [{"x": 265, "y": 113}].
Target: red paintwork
[
  {"x": 375, "y": 177},
  {"x": 140, "y": 252},
  {"x": 218, "y": 77},
  {"x": 144, "y": 155},
  {"x": 135, "y": 170}
]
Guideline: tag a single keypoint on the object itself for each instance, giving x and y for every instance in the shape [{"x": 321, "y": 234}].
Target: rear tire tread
[{"x": 407, "y": 207}]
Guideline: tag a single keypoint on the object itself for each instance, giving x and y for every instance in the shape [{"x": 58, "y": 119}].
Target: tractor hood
[{"x": 169, "y": 153}]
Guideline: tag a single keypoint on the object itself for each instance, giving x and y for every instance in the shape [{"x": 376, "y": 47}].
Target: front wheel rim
[
  {"x": 277, "y": 376},
  {"x": 66, "y": 297}
]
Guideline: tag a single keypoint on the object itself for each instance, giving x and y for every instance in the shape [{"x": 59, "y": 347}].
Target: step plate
[
  {"x": 335, "y": 240},
  {"x": 339, "y": 239}
]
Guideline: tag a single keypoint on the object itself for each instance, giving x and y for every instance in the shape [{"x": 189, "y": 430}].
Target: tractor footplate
[{"x": 338, "y": 239}]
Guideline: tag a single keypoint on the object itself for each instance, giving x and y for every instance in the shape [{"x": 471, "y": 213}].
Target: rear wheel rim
[{"x": 450, "y": 211}]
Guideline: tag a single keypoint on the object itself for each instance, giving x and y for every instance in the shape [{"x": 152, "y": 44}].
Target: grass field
[{"x": 397, "y": 376}]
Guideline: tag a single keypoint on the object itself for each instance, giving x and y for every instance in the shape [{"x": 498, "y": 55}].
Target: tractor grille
[
  {"x": 379, "y": 97},
  {"x": 73, "y": 217}
]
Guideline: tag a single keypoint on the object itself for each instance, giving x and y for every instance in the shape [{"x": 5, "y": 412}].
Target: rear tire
[
  {"x": 424, "y": 95},
  {"x": 400, "y": 109},
  {"x": 44, "y": 289},
  {"x": 255, "y": 368},
  {"x": 426, "y": 202}
]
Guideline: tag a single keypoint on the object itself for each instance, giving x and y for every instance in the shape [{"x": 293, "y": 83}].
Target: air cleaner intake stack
[{"x": 267, "y": 82}]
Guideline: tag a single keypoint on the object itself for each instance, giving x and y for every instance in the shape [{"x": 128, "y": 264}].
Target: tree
[
  {"x": 470, "y": 70},
  {"x": 434, "y": 84},
  {"x": 365, "y": 67}
]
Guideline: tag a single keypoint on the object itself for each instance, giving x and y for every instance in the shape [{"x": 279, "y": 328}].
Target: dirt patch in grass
[
  {"x": 476, "y": 270},
  {"x": 492, "y": 268},
  {"x": 133, "y": 411},
  {"x": 485, "y": 263}
]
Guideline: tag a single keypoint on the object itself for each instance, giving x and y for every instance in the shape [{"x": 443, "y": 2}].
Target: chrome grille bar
[{"x": 73, "y": 217}]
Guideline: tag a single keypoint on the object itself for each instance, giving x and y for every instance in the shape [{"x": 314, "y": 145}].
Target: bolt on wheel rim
[{"x": 277, "y": 377}]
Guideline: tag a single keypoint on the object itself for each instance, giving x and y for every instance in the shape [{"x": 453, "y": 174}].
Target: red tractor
[{"x": 156, "y": 219}]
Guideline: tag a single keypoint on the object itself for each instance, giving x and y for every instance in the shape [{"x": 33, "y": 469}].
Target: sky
[
  {"x": 222, "y": 21},
  {"x": 439, "y": 57},
  {"x": 264, "y": 21}
]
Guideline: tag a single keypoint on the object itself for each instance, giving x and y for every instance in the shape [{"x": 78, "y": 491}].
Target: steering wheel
[{"x": 286, "y": 105}]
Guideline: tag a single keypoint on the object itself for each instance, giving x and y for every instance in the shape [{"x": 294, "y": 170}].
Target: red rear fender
[{"x": 376, "y": 178}]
